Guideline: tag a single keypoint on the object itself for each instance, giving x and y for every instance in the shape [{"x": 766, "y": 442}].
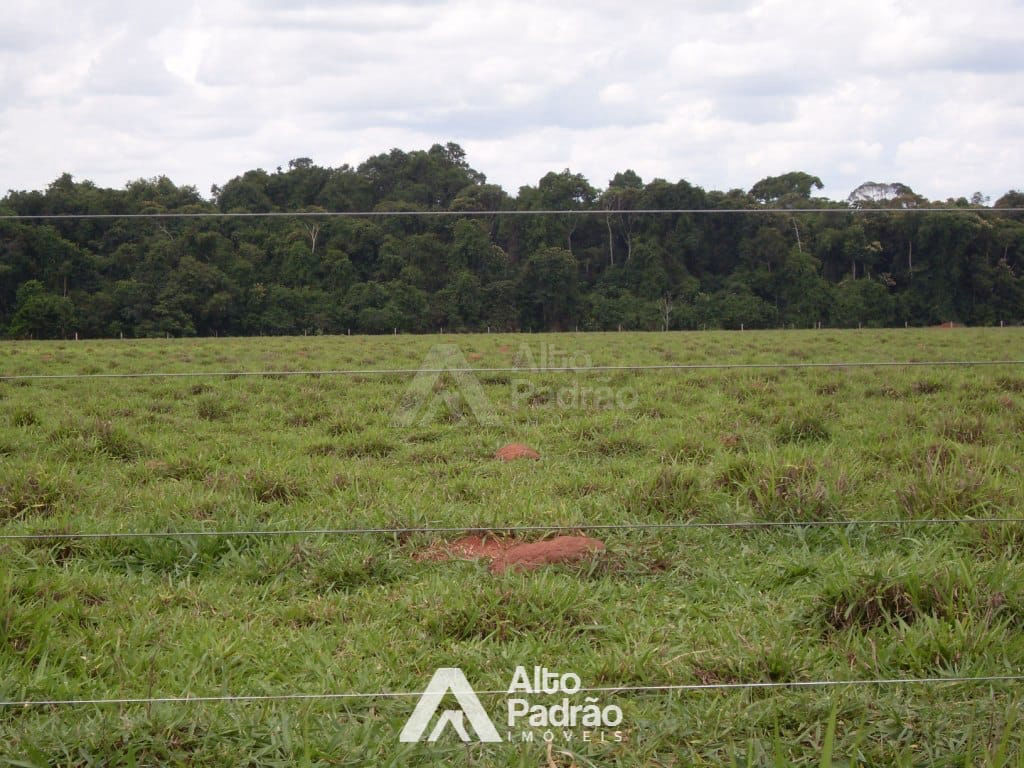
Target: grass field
[{"x": 208, "y": 616}]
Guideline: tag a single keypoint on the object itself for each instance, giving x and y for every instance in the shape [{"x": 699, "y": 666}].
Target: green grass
[{"x": 208, "y": 616}]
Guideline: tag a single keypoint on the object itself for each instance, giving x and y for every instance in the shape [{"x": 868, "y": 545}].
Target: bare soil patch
[
  {"x": 514, "y": 451},
  {"x": 471, "y": 547},
  {"x": 562, "y": 549}
]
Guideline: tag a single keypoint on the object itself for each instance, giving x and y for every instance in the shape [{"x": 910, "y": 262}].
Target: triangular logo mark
[
  {"x": 444, "y": 361},
  {"x": 449, "y": 680}
]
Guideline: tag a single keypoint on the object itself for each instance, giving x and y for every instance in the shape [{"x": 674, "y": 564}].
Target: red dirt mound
[
  {"x": 514, "y": 451},
  {"x": 474, "y": 356},
  {"x": 563, "y": 549},
  {"x": 471, "y": 547}
]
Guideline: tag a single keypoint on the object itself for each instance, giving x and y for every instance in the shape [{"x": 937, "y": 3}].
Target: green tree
[
  {"x": 624, "y": 194},
  {"x": 548, "y": 289},
  {"x": 41, "y": 315},
  {"x": 787, "y": 189},
  {"x": 864, "y": 302}
]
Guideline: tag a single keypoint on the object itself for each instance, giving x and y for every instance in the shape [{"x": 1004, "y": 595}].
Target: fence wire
[{"x": 507, "y": 529}]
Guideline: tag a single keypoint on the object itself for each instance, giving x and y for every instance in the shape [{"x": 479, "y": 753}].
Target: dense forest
[{"x": 595, "y": 265}]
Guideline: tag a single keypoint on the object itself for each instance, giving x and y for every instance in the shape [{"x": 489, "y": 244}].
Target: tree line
[{"x": 596, "y": 264}]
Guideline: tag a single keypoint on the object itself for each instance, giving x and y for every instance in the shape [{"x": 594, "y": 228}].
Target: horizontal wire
[
  {"x": 599, "y": 689},
  {"x": 310, "y": 532},
  {"x": 509, "y": 369},
  {"x": 544, "y": 212}
]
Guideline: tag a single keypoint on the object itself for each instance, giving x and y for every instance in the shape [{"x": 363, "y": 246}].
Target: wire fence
[
  {"x": 506, "y": 529},
  {"x": 510, "y": 529}
]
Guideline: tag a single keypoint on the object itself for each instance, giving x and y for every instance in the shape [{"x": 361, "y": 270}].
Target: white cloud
[{"x": 719, "y": 93}]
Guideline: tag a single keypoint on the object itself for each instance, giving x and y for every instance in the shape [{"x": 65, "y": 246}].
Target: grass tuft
[
  {"x": 875, "y": 603},
  {"x": 29, "y": 496},
  {"x": 211, "y": 409},
  {"x": 963, "y": 429},
  {"x": 267, "y": 487},
  {"x": 927, "y": 387},
  {"x": 802, "y": 429},
  {"x": 371, "y": 447},
  {"x": 101, "y": 437},
  {"x": 24, "y": 417},
  {"x": 673, "y": 492}
]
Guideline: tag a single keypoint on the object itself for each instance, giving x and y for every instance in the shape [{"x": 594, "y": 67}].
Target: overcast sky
[{"x": 719, "y": 93}]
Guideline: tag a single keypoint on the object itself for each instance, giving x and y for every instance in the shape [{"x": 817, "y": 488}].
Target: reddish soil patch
[
  {"x": 510, "y": 553},
  {"x": 471, "y": 547},
  {"x": 514, "y": 451},
  {"x": 948, "y": 324},
  {"x": 504, "y": 349},
  {"x": 474, "y": 356},
  {"x": 563, "y": 549}
]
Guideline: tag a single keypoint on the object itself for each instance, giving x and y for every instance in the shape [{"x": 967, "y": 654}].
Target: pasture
[{"x": 208, "y": 616}]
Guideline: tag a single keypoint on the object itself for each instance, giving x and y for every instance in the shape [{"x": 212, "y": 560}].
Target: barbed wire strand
[
  {"x": 510, "y": 369},
  {"x": 535, "y": 528},
  {"x": 542, "y": 212},
  {"x": 621, "y": 689}
]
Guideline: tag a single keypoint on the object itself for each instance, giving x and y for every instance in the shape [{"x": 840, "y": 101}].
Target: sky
[{"x": 720, "y": 93}]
